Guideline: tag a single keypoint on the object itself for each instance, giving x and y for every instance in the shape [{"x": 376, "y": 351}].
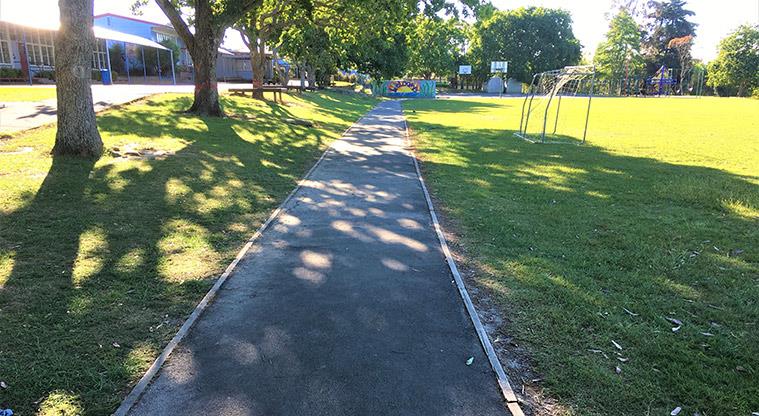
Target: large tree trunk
[
  {"x": 258, "y": 64},
  {"x": 302, "y": 74},
  {"x": 311, "y": 76},
  {"x": 77, "y": 129},
  {"x": 204, "y": 54},
  {"x": 282, "y": 72}
]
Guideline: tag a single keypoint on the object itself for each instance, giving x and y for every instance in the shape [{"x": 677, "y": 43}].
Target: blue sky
[{"x": 715, "y": 18}]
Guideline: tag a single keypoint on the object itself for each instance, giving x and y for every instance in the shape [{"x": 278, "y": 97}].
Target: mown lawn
[
  {"x": 10, "y": 94},
  {"x": 100, "y": 263},
  {"x": 657, "y": 217}
]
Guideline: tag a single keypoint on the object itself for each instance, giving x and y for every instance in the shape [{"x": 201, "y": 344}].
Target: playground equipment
[{"x": 663, "y": 82}]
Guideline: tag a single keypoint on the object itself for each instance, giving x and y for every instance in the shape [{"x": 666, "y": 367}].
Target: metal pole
[
  {"x": 108, "y": 60},
  {"x": 529, "y": 107},
  {"x": 144, "y": 68},
  {"x": 545, "y": 116},
  {"x": 97, "y": 55},
  {"x": 26, "y": 53},
  {"x": 158, "y": 59},
  {"x": 126, "y": 63},
  {"x": 556, "y": 120},
  {"x": 173, "y": 75},
  {"x": 590, "y": 96}
]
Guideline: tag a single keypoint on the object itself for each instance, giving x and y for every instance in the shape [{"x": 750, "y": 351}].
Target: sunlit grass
[
  {"x": 101, "y": 263},
  {"x": 657, "y": 215},
  {"x": 11, "y": 94}
]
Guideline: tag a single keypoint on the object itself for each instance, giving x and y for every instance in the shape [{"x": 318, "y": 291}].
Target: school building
[{"x": 128, "y": 49}]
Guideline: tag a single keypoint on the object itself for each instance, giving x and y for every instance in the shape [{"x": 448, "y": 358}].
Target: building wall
[
  {"x": 39, "y": 47},
  {"x": 238, "y": 68},
  {"x": 145, "y": 30}
]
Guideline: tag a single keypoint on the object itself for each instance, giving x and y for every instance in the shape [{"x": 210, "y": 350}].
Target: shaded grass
[
  {"x": 11, "y": 94},
  {"x": 659, "y": 215},
  {"x": 100, "y": 263}
]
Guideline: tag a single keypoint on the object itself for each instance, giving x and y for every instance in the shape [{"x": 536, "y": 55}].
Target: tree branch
[{"x": 176, "y": 20}]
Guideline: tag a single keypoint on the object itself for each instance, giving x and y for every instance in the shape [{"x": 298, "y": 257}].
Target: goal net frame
[{"x": 549, "y": 87}]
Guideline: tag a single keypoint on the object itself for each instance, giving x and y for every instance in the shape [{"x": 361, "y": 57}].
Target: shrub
[
  {"x": 11, "y": 73},
  {"x": 49, "y": 74}
]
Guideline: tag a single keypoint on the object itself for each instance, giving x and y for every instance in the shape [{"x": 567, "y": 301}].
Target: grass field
[
  {"x": 582, "y": 247},
  {"x": 10, "y": 94},
  {"x": 101, "y": 263}
]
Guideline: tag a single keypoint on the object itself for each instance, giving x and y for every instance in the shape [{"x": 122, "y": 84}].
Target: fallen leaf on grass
[
  {"x": 470, "y": 361},
  {"x": 629, "y": 312},
  {"x": 675, "y": 321}
]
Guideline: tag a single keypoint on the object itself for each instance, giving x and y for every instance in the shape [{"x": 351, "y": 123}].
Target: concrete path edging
[{"x": 503, "y": 379}]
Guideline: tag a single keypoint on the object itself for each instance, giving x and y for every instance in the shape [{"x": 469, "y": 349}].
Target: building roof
[
  {"x": 100, "y": 33},
  {"x": 110, "y": 34},
  {"x": 134, "y": 19}
]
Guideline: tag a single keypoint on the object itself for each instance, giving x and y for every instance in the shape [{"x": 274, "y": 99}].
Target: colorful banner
[{"x": 406, "y": 89}]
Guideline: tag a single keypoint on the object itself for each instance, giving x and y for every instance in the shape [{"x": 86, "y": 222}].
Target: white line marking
[
  {"x": 503, "y": 379},
  {"x": 144, "y": 382}
]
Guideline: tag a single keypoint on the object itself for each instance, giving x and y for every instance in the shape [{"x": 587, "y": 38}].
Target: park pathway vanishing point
[{"x": 344, "y": 305}]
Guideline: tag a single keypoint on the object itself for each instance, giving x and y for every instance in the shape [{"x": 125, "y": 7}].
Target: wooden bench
[{"x": 276, "y": 90}]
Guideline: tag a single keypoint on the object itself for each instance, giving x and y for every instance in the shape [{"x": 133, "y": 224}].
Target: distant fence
[
  {"x": 405, "y": 88},
  {"x": 691, "y": 84}
]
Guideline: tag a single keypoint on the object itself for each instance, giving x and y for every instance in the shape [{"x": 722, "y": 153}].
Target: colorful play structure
[{"x": 663, "y": 82}]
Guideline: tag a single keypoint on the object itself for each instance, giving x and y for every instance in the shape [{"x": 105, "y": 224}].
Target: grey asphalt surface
[
  {"x": 345, "y": 306},
  {"x": 22, "y": 115}
]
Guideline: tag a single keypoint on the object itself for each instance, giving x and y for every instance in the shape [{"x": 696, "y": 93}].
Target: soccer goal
[{"x": 557, "y": 106}]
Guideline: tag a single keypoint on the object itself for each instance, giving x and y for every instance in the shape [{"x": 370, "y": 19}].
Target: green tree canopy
[
  {"x": 434, "y": 46},
  {"x": 666, "y": 20},
  {"x": 619, "y": 53},
  {"x": 737, "y": 64},
  {"x": 532, "y": 39}
]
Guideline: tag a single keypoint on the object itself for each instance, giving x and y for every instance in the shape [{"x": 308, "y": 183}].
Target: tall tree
[
  {"x": 619, "y": 53},
  {"x": 77, "y": 132},
  {"x": 210, "y": 19},
  {"x": 262, "y": 25},
  {"x": 434, "y": 46},
  {"x": 532, "y": 39},
  {"x": 737, "y": 64},
  {"x": 666, "y": 20},
  {"x": 682, "y": 46}
]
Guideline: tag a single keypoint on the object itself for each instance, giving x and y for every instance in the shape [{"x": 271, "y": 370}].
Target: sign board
[
  {"x": 499, "y": 66},
  {"x": 465, "y": 70}
]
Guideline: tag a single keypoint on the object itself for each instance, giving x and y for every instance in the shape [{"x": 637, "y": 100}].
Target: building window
[
  {"x": 5, "y": 45},
  {"x": 39, "y": 47},
  {"x": 99, "y": 57}
]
